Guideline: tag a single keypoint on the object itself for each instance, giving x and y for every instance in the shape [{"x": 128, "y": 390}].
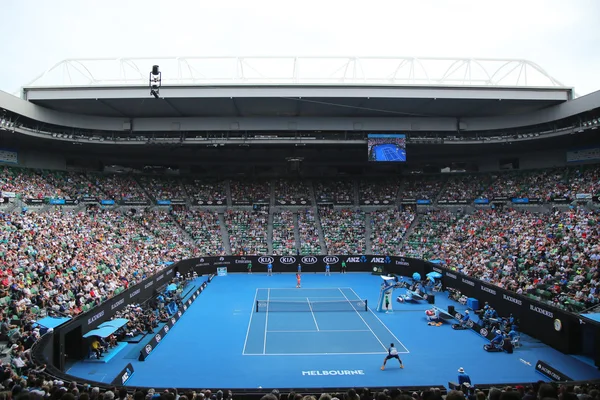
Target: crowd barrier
[
  {"x": 398, "y": 265},
  {"x": 579, "y": 197}
]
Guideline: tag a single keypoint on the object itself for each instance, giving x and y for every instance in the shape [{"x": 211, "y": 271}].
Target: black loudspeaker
[
  {"x": 451, "y": 310},
  {"x": 431, "y": 299}
]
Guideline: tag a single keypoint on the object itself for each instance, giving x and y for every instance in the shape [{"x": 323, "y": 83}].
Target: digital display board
[{"x": 386, "y": 147}]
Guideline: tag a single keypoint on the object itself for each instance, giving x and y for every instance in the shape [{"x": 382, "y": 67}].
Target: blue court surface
[
  {"x": 250, "y": 331},
  {"x": 389, "y": 152}
]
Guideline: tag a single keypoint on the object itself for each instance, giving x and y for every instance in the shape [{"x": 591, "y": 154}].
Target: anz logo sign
[
  {"x": 331, "y": 260},
  {"x": 266, "y": 260},
  {"x": 381, "y": 260},
  {"x": 309, "y": 260},
  {"x": 287, "y": 260}
]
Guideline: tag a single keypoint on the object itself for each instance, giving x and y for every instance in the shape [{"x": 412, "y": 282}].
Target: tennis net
[{"x": 310, "y": 306}]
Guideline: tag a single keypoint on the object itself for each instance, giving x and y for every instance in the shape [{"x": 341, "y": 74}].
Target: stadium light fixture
[{"x": 155, "y": 81}]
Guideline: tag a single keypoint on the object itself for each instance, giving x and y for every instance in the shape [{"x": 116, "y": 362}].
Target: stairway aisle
[
  {"x": 224, "y": 234},
  {"x": 368, "y": 229}
]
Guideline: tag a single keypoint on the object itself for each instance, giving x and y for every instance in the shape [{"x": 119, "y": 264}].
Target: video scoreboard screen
[{"x": 386, "y": 147}]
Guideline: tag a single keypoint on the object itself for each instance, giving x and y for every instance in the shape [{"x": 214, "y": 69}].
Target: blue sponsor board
[
  {"x": 482, "y": 201},
  {"x": 107, "y": 202},
  {"x": 423, "y": 201},
  {"x": 163, "y": 202},
  {"x": 57, "y": 202},
  {"x": 520, "y": 200}
]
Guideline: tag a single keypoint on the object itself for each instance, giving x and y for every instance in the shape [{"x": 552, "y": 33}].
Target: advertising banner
[
  {"x": 107, "y": 202},
  {"x": 520, "y": 200},
  {"x": 384, "y": 202},
  {"x": 482, "y": 201},
  {"x": 551, "y": 373},
  {"x": 285, "y": 264},
  {"x": 294, "y": 202},
  {"x": 134, "y": 202},
  {"x": 123, "y": 376},
  {"x": 408, "y": 201},
  {"x": 8, "y": 195},
  {"x": 34, "y": 201},
  {"x": 212, "y": 203},
  {"x": 56, "y": 202},
  {"x": 89, "y": 199},
  {"x": 454, "y": 202}
]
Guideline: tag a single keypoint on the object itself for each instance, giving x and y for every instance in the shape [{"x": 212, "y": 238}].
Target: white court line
[
  {"x": 250, "y": 322},
  {"x": 363, "y": 320},
  {"x": 266, "y": 321},
  {"x": 316, "y": 354},
  {"x": 325, "y": 330},
  {"x": 313, "y": 314},
  {"x": 301, "y": 289},
  {"x": 312, "y": 297},
  {"x": 384, "y": 325}
]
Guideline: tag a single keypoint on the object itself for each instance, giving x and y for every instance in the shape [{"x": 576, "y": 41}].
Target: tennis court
[
  {"x": 389, "y": 152},
  {"x": 225, "y": 341},
  {"x": 319, "y": 321}
]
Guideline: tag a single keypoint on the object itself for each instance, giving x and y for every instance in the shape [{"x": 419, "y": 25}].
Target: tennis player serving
[{"x": 392, "y": 353}]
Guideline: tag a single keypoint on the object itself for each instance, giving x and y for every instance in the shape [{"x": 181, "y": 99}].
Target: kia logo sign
[
  {"x": 483, "y": 332},
  {"x": 166, "y": 328},
  {"x": 331, "y": 260},
  {"x": 148, "y": 349},
  {"x": 158, "y": 338},
  {"x": 309, "y": 260},
  {"x": 287, "y": 260},
  {"x": 266, "y": 260}
]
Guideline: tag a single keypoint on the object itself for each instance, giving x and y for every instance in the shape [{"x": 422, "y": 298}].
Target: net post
[
  {"x": 256, "y": 305},
  {"x": 366, "y": 305}
]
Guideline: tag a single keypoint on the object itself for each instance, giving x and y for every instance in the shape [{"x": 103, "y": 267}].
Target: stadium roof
[
  {"x": 299, "y": 70},
  {"x": 298, "y": 87}
]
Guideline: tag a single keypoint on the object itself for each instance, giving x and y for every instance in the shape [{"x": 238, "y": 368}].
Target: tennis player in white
[{"x": 392, "y": 353}]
